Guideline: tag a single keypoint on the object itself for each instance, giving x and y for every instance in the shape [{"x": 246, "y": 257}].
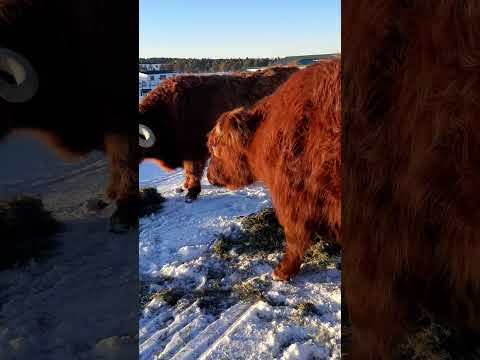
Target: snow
[
  {"x": 175, "y": 252},
  {"x": 305, "y": 351},
  {"x": 66, "y": 306}
]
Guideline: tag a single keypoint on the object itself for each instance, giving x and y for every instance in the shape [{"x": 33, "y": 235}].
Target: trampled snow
[{"x": 206, "y": 320}]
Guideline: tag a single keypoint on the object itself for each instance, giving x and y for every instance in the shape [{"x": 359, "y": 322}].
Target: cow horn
[
  {"x": 25, "y": 76},
  {"x": 146, "y": 136}
]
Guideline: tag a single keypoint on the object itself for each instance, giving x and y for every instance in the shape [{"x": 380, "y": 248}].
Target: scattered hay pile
[
  {"x": 251, "y": 291},
  {"x": 26, "y": 230},
  {"x": 303, "y": 312},
  {"x": 261, "y": 232},
  {"x": 151, "y": 201},
  {"x": 211, "y": 299},
  {"x": 170, "y": 296},
  {"x": 322, "y": 253}
]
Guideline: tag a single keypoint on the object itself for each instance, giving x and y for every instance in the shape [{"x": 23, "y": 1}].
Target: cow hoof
[
  {"x": 277, "y": 276},
  {"x": 179, "y": 190},
  {"x": 95, "y": 204},
  {"x": 190, "y": 198},
  {"x": 120, "y": 224},
  {"x": 123, "y": 219}
]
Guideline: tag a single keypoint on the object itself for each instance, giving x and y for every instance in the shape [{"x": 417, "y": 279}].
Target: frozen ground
[
  {"x": 191, "y": 305},
  {"x": 66, "y": 306}
]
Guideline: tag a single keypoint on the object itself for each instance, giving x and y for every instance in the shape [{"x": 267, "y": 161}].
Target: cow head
[
  {"x": 157, "y": 137},
  {"x": 228, "y": 145},
  {"x": 18, "y": 78}
]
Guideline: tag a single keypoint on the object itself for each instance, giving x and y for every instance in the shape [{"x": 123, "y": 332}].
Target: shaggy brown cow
[
  {"x": 411, "y": 169},
  {"x": 182, "y": 110},
  {"x": 291, "y": 142},
  {"x": 54, "y": 56}
]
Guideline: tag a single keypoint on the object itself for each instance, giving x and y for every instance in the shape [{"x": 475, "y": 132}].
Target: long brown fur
[
  {"x": 83, "y": 104},
  {"x": 411, "y": 168},
  {"x": 182, "y": 110},
  {"x": 291, "y": 142}
]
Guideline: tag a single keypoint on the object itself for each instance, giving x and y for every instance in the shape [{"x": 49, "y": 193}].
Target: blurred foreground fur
[
  {"x": 26, "y": 230},
  {"x": 94, "y": 123},
  {"x": 411, "y": 174}
]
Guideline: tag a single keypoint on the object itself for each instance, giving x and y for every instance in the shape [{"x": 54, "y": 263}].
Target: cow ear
[
  {"x": 246, "y": 122},
  {"x": 254, "y": 119}
]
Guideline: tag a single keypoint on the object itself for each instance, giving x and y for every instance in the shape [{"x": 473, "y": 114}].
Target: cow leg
[
  {"x": 113, "y": 181},
  {"x": 123, "y": 186},
  {"x": 297, "y": 242},
  {"x": 193, "y": 171}
]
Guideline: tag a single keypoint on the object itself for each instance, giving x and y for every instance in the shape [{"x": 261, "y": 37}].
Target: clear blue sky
[{"x": 249, "y": 28}]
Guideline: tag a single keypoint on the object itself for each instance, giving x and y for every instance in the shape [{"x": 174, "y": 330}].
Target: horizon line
[{"x": 247, "y": 57}]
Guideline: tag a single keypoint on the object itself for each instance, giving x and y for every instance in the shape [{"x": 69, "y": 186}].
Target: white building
[{"x": 148, "y": 81}]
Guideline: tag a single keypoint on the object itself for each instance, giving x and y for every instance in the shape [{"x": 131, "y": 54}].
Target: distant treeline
[{"x": 209, "y": 65}]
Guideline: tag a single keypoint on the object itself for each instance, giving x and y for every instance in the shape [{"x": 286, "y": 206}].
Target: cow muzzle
[
  {"x": 146, "y": 136},
  {"x": 25, "y": 79}
]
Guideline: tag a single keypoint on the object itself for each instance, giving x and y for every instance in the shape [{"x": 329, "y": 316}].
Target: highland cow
[
  {"x": 291, "y": 142},
  {"x": 411, "y": 169},
  {"x": 181, "y": 111},
  {"x": 53, "y": 56}
]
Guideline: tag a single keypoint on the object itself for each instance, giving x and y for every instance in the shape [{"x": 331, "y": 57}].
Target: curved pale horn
[
  {"x": 25, "y": 76},
  {"x": 146, "y": 137}
]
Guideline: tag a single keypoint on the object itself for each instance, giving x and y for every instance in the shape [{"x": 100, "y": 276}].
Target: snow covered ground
[
  {"x": 66, "y": 305},
  {"x": 192, "y": 307}
]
